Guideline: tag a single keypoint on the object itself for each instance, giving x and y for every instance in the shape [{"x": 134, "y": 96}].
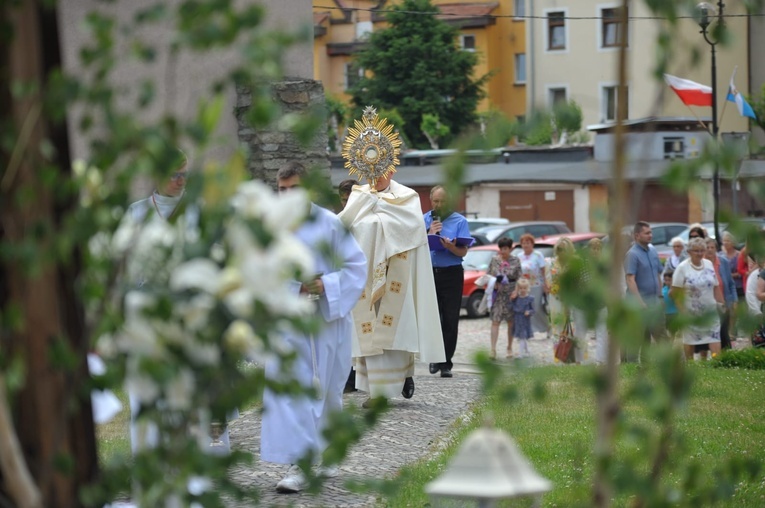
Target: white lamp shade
[{"x": 488, "y": 465}]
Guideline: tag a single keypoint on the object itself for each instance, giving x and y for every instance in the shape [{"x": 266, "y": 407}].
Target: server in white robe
[{"x": 292, "y": 426}]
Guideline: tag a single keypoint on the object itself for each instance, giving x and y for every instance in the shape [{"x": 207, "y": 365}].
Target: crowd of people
[
  {"x": 384, "y": 270},
  {"x": 699, "y": 284}
]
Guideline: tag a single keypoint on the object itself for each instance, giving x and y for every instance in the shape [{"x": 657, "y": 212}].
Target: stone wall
[{"x": 275, "y": 145}]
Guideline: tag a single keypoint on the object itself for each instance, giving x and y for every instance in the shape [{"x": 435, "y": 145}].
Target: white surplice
[
  {"x": 397, "y": 315},
  {"x": 292, "y": 425}
]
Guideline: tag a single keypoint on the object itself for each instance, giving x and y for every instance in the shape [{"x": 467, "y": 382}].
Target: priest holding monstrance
[{"x": 397, "y": 314}]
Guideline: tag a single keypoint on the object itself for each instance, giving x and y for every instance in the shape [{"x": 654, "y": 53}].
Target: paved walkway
[{"x": 406, "y": 433}]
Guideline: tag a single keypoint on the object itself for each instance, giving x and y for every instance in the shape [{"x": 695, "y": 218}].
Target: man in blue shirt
[
  {"x": 642, "y": 269},
  {"x": 447, "y": 270}
]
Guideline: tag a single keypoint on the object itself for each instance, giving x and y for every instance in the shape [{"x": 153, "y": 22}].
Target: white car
[{"x": 476, "y": 222}]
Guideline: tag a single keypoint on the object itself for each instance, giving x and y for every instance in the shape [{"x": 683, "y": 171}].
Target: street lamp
[
  {"x": 706, "y": 15},
  {"x": 488, "y": 467}
]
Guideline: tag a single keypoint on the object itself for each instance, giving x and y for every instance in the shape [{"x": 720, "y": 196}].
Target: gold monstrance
[{"x": 371, "y": 148}]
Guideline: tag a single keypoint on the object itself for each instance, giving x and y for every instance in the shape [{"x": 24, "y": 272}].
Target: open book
[{"x": 434, "y": 242}]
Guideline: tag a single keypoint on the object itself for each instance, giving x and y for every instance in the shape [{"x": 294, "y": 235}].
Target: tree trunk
[
  {"x": 608, "y": 407},
  {"x": 52, "y": 413}
]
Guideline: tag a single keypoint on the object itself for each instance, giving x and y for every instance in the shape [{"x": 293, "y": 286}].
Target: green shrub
[{"x": 748, "y": 358}]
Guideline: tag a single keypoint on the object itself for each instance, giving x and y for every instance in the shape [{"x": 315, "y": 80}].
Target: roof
[
  {"x": 466, "y": 10},
  {"x": 320, "y": 17},
  {"x": 582, "y": 173},
  {"x": 653, "y": 123},
  {"x": 468, "y": 15}
]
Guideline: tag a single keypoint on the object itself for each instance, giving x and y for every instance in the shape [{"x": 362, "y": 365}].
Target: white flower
[
  {"x": 230, "y": 279},
  {"x": 255, "y": 200},
  {"x": 169, "y": 331},
  {"x": 198, "y": 273},
  {"x": 155, "y": 233},
  {"x": 293, "y": 255},
  {"x": 202, "y": 354},
  {"x": 217, "y": 253},
  {"x": 288, "y": 211},
  {"x": 106, "y": 346},
  {"x": 239, "y": 302},
  {"x": 178, "y": 390},
  {"x": 142, "y": 388},
  {"x": 140, "y": 339},
  {"x": 196, "y": 311},
  {"x": 241, "y": 338}
]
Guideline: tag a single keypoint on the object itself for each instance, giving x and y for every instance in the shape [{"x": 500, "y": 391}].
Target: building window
[
  {"x": 674, "y": 148},
  {"x": 352, "y": 75},
  {"x": 467, "y": 42},
  {"x": 556, "y": 96},
  {"x": 520, "y": 68},
  {"x": 556, "y": 30},
  {"x": 610, "y": 28},
  {"x": 519, "y": 8},
  {"x": 611, "y": 101}
]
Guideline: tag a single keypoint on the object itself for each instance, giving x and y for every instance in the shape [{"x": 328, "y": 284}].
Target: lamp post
[
  {"x": 488, "y": 467},
  {"x": 706, "y": 13}
]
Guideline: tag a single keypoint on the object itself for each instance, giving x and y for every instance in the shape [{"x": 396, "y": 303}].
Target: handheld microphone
[{"x": 436, "y": 218}]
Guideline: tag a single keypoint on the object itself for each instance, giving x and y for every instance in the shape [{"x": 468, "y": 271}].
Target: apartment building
[
  {"x": 572, "y": 48},
  {"x": 493, "y": 30}
]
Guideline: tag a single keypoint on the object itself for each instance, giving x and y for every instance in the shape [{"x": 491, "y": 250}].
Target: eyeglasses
[
  {"x": 698, "y": 251},
  {"x": 179, "y": 175},
  {"x": 694, "y": 236}
]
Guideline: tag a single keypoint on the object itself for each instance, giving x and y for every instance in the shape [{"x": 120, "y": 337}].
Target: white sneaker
[
  {"x": 294, "y": 481},
  {"x": 328, "y": 471}
]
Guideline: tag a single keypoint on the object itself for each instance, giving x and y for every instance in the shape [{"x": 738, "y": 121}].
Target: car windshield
[
  {"x": 709, "y": 226},
  {"x": 491, "y": 232},
  {"x": 475, "y": 224},
  {"x": 478, "y": 259}
]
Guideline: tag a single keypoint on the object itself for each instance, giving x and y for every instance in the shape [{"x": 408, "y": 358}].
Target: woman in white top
[
  {"x": 533, "y": 268},
  {"x": 754, "y": 291},
  {"x": 696, "y": 290},
  {"x": 678, "y": 255}
]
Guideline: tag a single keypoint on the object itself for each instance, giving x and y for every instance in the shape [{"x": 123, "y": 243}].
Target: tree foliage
[
  {"x": 433, "y": 129},
  {"x": 758, "y": 105},
  {"x": 416, "y": 67}
]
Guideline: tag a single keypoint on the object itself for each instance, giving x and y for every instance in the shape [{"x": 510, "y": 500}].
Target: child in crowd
[
  {"x": 523, "y": 308},
  {"x": 670, "y": 309}
]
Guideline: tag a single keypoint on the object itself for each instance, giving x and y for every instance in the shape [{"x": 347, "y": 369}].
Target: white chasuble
[{"x": 398, "y": 310}]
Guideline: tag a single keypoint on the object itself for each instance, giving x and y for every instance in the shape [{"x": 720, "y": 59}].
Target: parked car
[
  {"x": 477, "y": 260},
  {"x": 663, "y": 232},
  {"x": 517, "y": 229},
  {"x": 480, "y": 222}
]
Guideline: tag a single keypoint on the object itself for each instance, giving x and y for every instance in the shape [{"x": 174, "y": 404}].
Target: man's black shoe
[
  {"x": 408, "y": 390},
  {"x": 446, "y": 372},
  {"x": 434, "y": 367}
]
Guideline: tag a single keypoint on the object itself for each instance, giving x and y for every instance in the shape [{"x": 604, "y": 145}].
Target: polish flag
[{"x": 690, "y": 92}]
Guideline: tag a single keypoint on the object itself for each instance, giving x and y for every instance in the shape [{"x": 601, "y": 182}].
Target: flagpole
[
  {"x": 706, "y": 127},
  {"x": 725, "y": 102}
]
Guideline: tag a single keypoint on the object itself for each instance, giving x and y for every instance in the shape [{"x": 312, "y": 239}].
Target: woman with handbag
[
  {"x": 506, "y": 270},
  {"x": 560, "y": 315}
]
